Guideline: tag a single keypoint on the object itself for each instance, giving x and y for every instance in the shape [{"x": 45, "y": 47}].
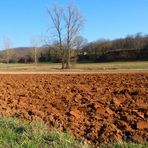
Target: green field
[{"x": 76, "y": 67}]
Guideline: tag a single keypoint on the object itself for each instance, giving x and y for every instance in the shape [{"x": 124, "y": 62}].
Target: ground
[
  {"x": 86, "y": 67},
  {"x": 99, "y": 107}
]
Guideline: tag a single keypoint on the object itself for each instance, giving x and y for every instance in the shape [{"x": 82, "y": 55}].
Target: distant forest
[{"x": 130, "y": 48}]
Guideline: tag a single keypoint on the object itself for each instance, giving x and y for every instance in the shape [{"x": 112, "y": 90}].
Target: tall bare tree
[
  {"x": 56, "y": 15},
  {"x": 67, "y": 23},
  {"x": 74, "y": 22},
  {"x": 79, "y": 43}
]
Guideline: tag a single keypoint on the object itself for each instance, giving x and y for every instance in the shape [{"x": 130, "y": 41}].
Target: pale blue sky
[{"x": 22, "y": 19}]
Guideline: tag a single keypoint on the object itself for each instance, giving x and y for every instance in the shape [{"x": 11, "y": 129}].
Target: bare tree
[
  {"x": 79, "y": 43},
  {"x": 56, "y": 15},
  {"x": 67, "y": 23},
  {"x": 7, "y": 46},
  {"x": 74, "y": 22},
  {"x": 35, "y": 41}
]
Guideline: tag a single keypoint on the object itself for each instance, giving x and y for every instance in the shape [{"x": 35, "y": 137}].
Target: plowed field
[{"x": 96, "y": 107}]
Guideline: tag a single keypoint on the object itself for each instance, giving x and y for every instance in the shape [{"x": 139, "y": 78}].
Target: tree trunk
[
  {"x": 68, "y": 59},
  {"x": 68, "y": 65},
  {"x": 63, "y": 58},
  {"x": 35, "y": 55},
  {"x": 63, "y": 64}
]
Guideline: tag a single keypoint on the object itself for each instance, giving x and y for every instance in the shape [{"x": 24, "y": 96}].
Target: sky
[{"x": 21, "y": 20}]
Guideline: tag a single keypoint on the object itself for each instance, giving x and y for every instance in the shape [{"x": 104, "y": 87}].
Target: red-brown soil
[{"x": 96, "y": 107}]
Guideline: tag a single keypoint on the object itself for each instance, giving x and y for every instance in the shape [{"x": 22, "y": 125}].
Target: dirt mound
[{"x": 97, "y": 107}]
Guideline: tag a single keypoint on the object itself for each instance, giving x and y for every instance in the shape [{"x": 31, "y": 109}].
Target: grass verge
[
  {"x": 142, "y": 65},
  {"x": 15, "y": 133}
]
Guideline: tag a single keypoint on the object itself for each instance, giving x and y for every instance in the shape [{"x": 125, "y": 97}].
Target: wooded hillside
[{"x": 130, "y": 48}]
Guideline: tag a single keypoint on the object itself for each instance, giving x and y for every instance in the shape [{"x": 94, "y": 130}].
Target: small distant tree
[
  {"x": 14, "y": 57},
  {"x": 79, "y": 43},
  {"x": 35, "y": 42},
  {"x": 138, "y": 41},
  {"x": 7, "y": 45}
]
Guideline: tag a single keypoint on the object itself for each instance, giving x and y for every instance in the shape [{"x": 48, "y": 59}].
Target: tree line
[{"x": 132, "y": 47}]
